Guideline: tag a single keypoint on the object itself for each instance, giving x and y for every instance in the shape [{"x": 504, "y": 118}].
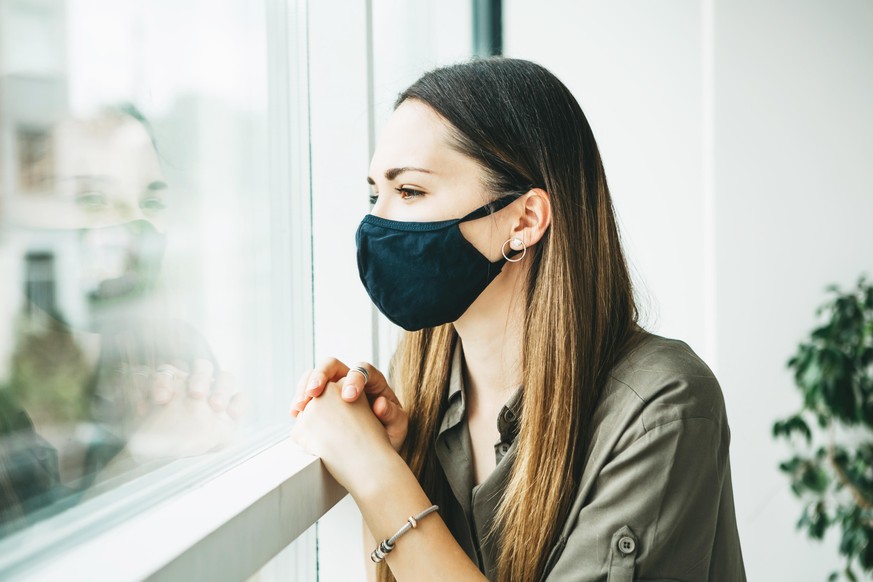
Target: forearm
[
  {"x": 354, "y": 447},
  {"x": 428, "y": 552}
]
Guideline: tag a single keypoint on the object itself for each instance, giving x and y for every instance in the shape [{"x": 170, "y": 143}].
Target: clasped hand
[
  {"x": 183, "y": 412},
  {"x": 347, "y": 432}
]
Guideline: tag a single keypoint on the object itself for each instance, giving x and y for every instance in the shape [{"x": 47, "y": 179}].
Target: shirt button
[
  {"x": 627, "y": 545},
  {"x": 508, "y": 416}
]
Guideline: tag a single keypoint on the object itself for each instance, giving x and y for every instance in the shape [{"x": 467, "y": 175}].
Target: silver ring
[
  {"x": 167, "y": 371},
  {"x": 362, "y": 371}
]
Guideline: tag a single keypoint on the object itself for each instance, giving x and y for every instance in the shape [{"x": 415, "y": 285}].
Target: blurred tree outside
[{"x": 49, "y": 373}]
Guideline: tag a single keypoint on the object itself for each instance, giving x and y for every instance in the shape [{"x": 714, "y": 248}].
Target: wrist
[{"x": 386, "y": 472}]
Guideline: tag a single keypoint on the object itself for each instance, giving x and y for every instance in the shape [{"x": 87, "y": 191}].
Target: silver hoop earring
[{"x": 515, "y": 244}]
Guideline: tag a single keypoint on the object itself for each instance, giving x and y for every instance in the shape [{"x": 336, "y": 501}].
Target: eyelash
[{"x": 405, "y": 193}]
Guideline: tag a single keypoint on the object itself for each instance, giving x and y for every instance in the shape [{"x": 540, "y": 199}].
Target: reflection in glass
[
  {"x": 128, "y": 292},
  {"x": 98, "y": 368}
]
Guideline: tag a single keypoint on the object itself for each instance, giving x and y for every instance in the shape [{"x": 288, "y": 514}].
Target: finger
[
  {"x": 163, "y": 383},
  {"x": 222, "y": 389},
  {"x": 299, "y": 404},
  {"x": 388, "y": 412},
  {"x": 200, "y": 380},
  {"x": 238, "y": 405},
  {"x": 356, "y": 381},
  {"x": 392, "y": 417},
  {"x": 375, "y": 386},
  {"x": 140, "y": 379},
  {"x": 382, "y": 409},
  {"x": 328, "y": 370},
  {"x": 301, "y": 385}
]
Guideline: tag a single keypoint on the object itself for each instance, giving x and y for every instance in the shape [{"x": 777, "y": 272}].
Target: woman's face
[
  {"x": 95, "y": 206},
  {"x": 418, "y": 177},
  {"x": 101, "y": 172}
]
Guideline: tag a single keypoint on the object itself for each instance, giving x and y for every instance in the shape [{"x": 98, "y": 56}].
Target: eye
[
  {"x": 92, "y": 200},
  {"x": 152, "y": 199},
  {"x": 407, "y": 193},
  {"x": 152, "y": 204}
]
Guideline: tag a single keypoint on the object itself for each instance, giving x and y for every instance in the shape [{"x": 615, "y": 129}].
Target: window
[{"x": 155, "y": 253}]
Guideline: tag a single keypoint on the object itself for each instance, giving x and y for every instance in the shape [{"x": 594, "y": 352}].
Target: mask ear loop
[
  {"x": 492, "y": 207},
  {"x": 514, "y": 244}
]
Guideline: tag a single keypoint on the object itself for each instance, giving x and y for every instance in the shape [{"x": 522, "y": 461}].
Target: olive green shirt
[{"x": 654, "y": 501}]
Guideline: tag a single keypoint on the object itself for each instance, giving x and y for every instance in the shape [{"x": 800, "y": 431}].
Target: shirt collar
[
  {"x": 510, "y": 415},
  {"x": 456, "y": 373},
  {"x": 456, "y": 402}
]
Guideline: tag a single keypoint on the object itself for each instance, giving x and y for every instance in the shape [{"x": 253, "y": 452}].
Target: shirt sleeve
[{"x": 654, "y": 512}]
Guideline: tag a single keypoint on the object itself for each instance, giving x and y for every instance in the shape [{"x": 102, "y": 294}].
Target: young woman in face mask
[{"x": 558, "y": 439}]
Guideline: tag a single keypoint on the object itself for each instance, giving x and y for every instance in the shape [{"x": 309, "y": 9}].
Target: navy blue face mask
[{"x": 424, "y": 274}]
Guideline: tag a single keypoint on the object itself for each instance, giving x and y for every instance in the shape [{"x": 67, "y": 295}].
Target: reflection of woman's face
[
  {"x": 419, "y": 177},
  {"x": 103, "y": 172},
  {"x": 95, "y": 205}
]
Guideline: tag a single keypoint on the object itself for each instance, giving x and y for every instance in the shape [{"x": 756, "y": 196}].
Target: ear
[{"x": 535, "y": 217}]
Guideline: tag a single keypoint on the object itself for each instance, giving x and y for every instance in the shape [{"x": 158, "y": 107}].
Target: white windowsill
[{"x": 224, "y": 529}]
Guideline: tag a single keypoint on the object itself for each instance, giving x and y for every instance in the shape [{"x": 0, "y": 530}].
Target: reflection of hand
[
  {"x": 185, "y": 413},
  {"x": 381, "y": 397},
  {"x": 347, "y": 437}
]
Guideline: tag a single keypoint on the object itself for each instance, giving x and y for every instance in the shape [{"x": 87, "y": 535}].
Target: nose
[{"x": 378, "y": 209}]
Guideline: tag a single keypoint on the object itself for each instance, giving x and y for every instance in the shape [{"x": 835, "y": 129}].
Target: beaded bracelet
[{"x": 385, "y": 546}]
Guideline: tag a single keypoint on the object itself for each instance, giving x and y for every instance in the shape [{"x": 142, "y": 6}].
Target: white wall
[
  {"x": 641, "y": 91},
  {"x": 794, "y": 202},
  {"x": 737, "y": 137}
]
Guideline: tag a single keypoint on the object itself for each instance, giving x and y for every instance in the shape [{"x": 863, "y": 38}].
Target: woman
[{"x": 611, "y": 455}]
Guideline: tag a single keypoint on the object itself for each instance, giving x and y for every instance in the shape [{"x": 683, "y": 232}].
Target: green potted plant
[{"x": 831, "y": 470}]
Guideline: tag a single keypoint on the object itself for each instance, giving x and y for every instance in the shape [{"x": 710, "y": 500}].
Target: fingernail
[
  {"x": 162, "y": 394},
  {"x": 349, "y": 391},
  {"x": 314, "y": 382}
]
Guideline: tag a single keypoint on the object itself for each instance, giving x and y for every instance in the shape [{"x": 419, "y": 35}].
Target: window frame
[{"x": 225, "y": 528}]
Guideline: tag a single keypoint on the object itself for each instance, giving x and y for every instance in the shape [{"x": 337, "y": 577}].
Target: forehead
[
  {"x": 415, "y": 136},
  {"x": 110, "y": 154},
  {"x": 113, "y": 146}
]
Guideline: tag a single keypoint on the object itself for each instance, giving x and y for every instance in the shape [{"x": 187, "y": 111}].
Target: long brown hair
[{"x": 526, "y": 130}]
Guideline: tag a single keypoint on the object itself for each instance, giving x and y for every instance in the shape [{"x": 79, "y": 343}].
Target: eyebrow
[
  {"x": 157, "y": 185},
  {"x": 392, "y": 173}
]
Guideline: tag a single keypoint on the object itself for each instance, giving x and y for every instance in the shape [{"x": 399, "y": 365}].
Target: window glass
[{"x": 147, "y": 192}]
